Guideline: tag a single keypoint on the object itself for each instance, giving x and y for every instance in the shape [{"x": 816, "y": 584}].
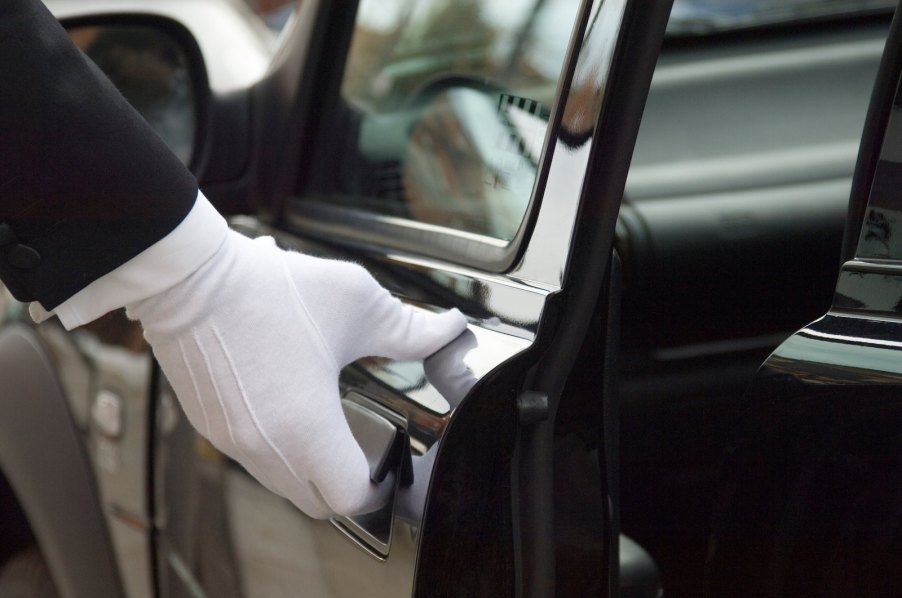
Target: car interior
[{"x": 730, "y": 234}]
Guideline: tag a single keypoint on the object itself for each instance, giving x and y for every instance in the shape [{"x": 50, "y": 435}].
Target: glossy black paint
[
  {"x": 809, "y": 505},
  {"x": 722, "y": 264},
  {"x": 811, "y": 496},
  {"x": 613, "y": 136}
]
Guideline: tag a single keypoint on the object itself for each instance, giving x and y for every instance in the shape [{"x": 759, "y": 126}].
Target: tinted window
[
  {"x": 881, "y": 231},
  {"x": 444, "y": 109}
]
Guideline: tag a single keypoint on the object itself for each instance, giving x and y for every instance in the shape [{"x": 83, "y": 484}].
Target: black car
[{"x": 632, "y": 221}]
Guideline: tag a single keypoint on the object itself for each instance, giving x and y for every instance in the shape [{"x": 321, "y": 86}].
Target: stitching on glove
[
  {"x": 197, "y": 395},
  {"x": 247, "y": 405},
  {"x": 244, "y": 456},
  {"x": 318, "y": 495},
  {"x": 305, "y": 315}
]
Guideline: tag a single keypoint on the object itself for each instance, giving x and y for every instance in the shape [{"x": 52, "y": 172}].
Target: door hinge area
[{"x": 532, "y": 407}]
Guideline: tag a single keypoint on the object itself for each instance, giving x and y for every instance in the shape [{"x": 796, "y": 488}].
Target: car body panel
[
  {"x": 810, "y": 493},
  {"x": 723, "y": 262}
]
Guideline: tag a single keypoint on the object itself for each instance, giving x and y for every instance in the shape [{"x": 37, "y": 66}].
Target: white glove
[{"x": 253, "y": 342}]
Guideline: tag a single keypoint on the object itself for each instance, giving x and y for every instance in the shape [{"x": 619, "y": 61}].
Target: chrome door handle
[
  {"x": 384, "y": 443},
  {"x": 381, "y": 435}
]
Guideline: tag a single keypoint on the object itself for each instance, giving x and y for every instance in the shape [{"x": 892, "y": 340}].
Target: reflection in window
[
  {"x": 881, "y": 231},
  {"x": 150, "y": 69},
  {"x": 445, "y": 105}
]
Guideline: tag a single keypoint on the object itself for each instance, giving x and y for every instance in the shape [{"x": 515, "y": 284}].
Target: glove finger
[
  {"x": 295, "y": 441},
  {"x": 359, "y": 318},
  {"x": 337, "y": 468},
  {"x": 405, "y": 332}
]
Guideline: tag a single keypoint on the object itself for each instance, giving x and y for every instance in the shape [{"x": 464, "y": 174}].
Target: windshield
[{"x": 691, "y": 17}]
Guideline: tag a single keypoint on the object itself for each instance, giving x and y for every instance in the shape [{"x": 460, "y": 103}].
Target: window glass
[
  {"x": 149, "y": 68},
  {"x": 881, "y": 231},
  {"x": 444, "y": 108}
]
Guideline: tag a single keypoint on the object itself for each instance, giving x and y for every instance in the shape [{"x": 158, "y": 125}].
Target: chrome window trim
[
  {"x": 485, "y": 253},
  {"x": 873, "y": 265},
  {"x": 316, "y": 219}
]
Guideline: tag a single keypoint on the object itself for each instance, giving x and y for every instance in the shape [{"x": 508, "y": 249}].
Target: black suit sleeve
[{"x": 85, "y": 183}]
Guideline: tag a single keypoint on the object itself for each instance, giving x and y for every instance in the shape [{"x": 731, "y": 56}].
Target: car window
[
  {"x": 881, "y": 231},
  {"x": 444, "y": 110},
  {"x": 444, "y": 104}
]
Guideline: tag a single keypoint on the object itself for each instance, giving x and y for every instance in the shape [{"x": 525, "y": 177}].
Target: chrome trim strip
[
  {"x": 768, "y": 63},
  {"x": 340, "y": 526},
  {"x": 357, "y": 227},
  {"x": 851, "y": 339},
  {"x": 892, "y": 267}
]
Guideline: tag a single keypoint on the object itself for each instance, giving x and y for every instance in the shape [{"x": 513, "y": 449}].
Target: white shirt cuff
[{"x": 159, "y": 267}]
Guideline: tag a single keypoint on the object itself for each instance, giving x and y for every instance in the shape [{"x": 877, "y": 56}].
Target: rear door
[
  {"x": 470, "y": 154},
  {"x": 811, "y": 496}
]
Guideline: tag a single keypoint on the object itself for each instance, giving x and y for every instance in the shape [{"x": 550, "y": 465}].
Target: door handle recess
[
  {"x": 387, "y": 448},
  {"x": 384, "y": 443}
]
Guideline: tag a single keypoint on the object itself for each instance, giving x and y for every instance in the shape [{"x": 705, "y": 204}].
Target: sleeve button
[
  {"x": 23, "y": 257},
  {"x": 7, "y": 235}
]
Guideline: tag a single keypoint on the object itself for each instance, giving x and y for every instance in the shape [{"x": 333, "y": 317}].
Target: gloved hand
[{"x": 253, "y": 342}]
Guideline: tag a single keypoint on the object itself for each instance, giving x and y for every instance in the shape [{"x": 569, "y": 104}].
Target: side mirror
[
  {"x": 221, "y": 83},
  {"x": 157, "y": 68},
  {"x": 191, "y": 69}
]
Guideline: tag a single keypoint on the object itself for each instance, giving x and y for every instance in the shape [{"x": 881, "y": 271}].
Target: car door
[
  {"x": 471, "y": 155},
  {"x": 810, "y": 498}
]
